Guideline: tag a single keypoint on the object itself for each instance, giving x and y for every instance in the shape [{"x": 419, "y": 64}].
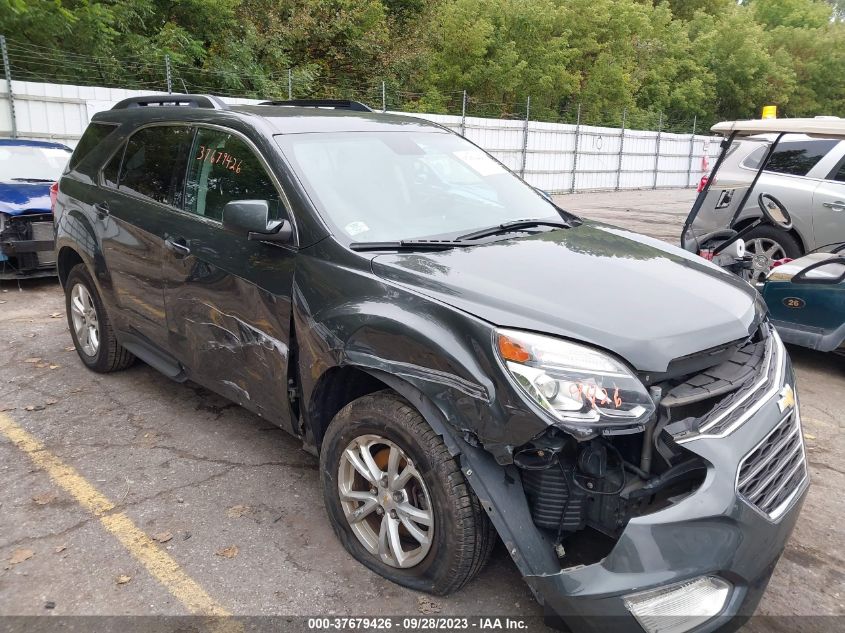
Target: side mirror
[{"x": 253, "y": 217}]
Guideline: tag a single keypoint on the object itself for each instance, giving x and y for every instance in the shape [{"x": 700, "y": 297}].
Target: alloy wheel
[
  {"x": 385, "y": 501},
  {"x": 86, "y": 326},
  {"x": 763, "y": 251}
]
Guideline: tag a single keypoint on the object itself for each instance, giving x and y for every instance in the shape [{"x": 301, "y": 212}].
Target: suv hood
[
  {"x": 645, "y": 300},
  {"x": 18, "y": 198}
]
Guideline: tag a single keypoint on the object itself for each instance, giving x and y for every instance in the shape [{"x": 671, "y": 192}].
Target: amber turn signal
[{"x": 511, "y": 350}]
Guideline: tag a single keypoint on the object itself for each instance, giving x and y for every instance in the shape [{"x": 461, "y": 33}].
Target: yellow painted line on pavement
[{"x": 158, "y": 563}]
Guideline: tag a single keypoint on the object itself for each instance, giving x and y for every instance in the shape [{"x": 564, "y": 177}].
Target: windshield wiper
[
  {"x": 513, "y": 226},
  {"x": 463, "y": 240},
  {"x": 407, "y": 245},
  {"x": 32, "y": 180}
]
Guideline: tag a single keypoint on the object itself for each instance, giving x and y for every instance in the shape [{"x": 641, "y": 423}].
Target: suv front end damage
[
  {"x": 621, "y": 408},
  {"x": 672, "y": 526},
  {"x": 26, "y": 245},
  {"x": 29, "y": 171}
]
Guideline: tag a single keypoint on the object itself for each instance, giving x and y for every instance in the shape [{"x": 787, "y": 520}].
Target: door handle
[
  {"x": 102, "y": 209},
  {"x": 178, "y": 246},
  {"x": 836, "y": 206}
]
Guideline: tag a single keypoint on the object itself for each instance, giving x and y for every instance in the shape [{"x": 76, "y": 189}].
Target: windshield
[
  {"x": 21, "y": 162},
  {"x": 383, "y": 186}
]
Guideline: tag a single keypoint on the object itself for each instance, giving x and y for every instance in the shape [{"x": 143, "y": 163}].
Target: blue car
[{"x": 28, "y": 169}]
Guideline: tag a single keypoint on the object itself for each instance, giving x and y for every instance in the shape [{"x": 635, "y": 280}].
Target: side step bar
[{"x": 153, "y": 356}]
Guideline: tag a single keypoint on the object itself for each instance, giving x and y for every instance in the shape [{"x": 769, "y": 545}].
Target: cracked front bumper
[
  {"x": 27, "y": 247},
  {"x": 713, "y": 532}
]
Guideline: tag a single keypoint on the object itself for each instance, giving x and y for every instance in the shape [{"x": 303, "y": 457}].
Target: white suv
[{"x": 806, "y": 174}]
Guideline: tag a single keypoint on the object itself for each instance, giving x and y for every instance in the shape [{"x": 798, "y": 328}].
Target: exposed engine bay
[
  {"x": 583, "y": 493},
  {"x": 17, "y": 234}
]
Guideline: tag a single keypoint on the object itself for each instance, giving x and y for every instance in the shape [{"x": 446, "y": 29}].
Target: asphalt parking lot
[{"x": 129, "y": 494}]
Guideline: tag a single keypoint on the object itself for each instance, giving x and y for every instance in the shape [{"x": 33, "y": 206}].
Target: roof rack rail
[
  {"x": 190, "y": 101},
  {"x": 339, "y": 104}
]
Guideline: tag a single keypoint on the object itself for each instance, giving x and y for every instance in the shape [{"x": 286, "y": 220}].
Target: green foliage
[
  {"x": 685, "y": 9},
  {"x": 710, "y": 59},
  {"x": 743, "y": 72},
  {"x": 500, "y": 52},
  {"x": 802, "y": 14}
]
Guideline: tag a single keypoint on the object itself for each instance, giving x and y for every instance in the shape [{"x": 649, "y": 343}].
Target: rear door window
[
  {"x": 222, "y": 168},
  {"x": 154, "y": 163},
  {"x": 94, "y": 134},
  {"x": 795, "y": 158},
  {"x": 111, "y": 171}
]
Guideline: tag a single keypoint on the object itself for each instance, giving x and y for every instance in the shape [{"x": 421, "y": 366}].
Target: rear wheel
[
  {"x": 766, "y": 244},
  {"x": 89, "y": 324},
  {"x": 398, "y": 500}
]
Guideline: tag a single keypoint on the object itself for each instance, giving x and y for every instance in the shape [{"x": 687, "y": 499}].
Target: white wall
[{"x": 61, "y": 112}]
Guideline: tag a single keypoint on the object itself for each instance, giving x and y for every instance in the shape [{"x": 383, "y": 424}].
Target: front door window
[{"x": 223, "y": 168}]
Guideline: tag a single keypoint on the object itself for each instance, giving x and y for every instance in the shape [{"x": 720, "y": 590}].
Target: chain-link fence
[{"x": 53, "y": 94}]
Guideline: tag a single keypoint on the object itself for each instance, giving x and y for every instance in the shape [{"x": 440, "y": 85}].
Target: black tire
[
  {"x": 110, "y": 355},
  {"x": 786, "y": 240},
  {"x": 463, "y": 535}
]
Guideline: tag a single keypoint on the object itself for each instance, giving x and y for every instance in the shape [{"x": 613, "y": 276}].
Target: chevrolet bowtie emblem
[{"x": 787, "y": 398}]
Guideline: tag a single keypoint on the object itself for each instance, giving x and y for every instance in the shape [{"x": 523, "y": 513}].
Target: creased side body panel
[{"x": 344, "y": 315}]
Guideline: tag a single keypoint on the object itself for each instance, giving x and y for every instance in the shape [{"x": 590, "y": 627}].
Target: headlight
[
  {"x": 574, "y": 383},
  {"x": 680, "y": 607}
]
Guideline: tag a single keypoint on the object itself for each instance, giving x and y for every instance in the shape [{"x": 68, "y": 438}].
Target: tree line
[{"x": 709, "y": 59}]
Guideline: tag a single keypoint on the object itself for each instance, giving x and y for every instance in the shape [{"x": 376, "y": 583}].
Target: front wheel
[{"x": 398, "y": 500}]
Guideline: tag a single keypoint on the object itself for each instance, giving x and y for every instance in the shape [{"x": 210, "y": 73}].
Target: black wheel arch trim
[
  {"x": 498, "y": 488},
  {"x": 364, "y": 360},
  {"x": 90, "y": 250}
]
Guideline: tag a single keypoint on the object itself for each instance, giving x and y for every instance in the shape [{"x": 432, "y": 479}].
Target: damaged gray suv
[{"x": 467, "y": 359}]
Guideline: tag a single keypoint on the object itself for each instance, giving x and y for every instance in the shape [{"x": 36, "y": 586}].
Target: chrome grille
[
  {"x": 772, "y": 473},
  {"x": 43, "y": 231},
  {"x": 734, "y": 410}
]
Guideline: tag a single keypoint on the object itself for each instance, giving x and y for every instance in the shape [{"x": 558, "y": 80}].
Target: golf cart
[{"x": 805, "y": 296}]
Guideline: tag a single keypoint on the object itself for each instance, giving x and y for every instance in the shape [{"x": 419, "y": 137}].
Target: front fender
[{"x": 347, "y": 316}]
